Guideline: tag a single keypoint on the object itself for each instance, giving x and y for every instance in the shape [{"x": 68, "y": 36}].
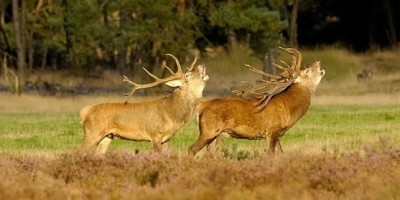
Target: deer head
[
  {"x": 192, "y": 82},
  {"x": 278, "y": 83}
]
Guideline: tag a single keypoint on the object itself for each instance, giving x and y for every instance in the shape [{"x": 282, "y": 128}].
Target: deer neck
[
  {"x": 181, "y": 105},
  {"x": 296, "y": 98}
]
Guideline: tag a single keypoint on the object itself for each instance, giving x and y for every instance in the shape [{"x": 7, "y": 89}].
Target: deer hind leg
[
  {"x": 279, "y": 147},
  {"x": 92, "y": 136},
  {"x": 212, "y": 147},
  {"x": 200, "y": 143},
  {"x": 89, "y": 141},
  {"x": 203, "y": 140},
  {"x": 207, "y": 135},
  {"x": 103, "y": 145}
]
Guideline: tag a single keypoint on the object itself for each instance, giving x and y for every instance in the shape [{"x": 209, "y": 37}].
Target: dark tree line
[
  {"x": 120, "y": 35},
  {"x": 357, "y": 24}
]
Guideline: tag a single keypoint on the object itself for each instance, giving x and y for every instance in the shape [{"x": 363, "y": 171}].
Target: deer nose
[{"x": 201, "y": 67}]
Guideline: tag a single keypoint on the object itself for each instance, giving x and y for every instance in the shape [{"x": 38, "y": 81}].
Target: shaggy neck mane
[
  {"x": 180, "y": 106},
  {"x": 296, "y": 98}
]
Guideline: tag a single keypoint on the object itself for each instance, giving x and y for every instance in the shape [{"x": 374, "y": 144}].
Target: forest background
[{"x": 89, "y": 38}]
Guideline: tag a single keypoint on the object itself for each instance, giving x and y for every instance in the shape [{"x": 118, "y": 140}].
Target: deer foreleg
[
  {"x": 156, "y": 142},
  {"x": 272, "y": 142}
]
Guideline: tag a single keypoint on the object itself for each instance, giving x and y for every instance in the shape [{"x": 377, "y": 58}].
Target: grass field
[
  {"x": 346, "y": 147},
  {"x": 324, "y": 129},
  {"x": 334, "y": 152}
]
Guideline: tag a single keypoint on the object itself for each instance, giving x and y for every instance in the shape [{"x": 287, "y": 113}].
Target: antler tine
[
  {"x": 178, "y": 64},
  {"x": 296, "y": 58},
  {"x": 283, "y": 62},
  {"x": 287, "y": 69},
  {"x": 150, "y": 74},
  {"x": 136, "y": 86},
  {"x": 193, "y": 63},
  {"x": 253, "y": 69},
  {"x": 169, "y": 69},
  {"x": 277, "y": 83}
]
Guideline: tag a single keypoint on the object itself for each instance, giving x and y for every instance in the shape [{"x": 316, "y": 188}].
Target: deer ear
[{"x": 174, "y": 83}]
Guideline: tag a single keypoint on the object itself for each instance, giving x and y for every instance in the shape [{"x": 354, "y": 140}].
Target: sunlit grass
[{"x": 324, "y": 129}]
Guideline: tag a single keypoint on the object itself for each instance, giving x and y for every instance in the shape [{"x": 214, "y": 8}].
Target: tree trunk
[
  {"x": 268, "y": 64},
  {"x": 2, "y": 12},
  {"x": 122, "y": 46},
  {"x": 181, "y": 7},
  {"x": 2, "y": 22},
  {"x": 19, "y": 41},
  {"x": 293, "y": 24},
  {"x": 31, "y": 52},
  {"x": 232, "y": 41},
  {"x": 39, "y": 5},
  {"x": 3, "y": 33},
  {"x": 391, "y": 23},
  {"x": 68, "y": 32}
]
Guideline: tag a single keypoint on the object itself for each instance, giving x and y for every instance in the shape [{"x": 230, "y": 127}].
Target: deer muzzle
[{"x": 204, "y": 76}]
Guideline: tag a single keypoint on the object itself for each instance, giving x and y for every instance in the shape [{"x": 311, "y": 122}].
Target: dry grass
[
  {"x": 364, "y": 99},
  {"x": 373, "y": 175},
  {"x": 35, "y": 103}
]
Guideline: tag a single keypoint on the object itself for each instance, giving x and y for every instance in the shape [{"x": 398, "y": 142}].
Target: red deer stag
[
  {"x": 155, "y": 120},
  {"x": 279, "y": 103}
]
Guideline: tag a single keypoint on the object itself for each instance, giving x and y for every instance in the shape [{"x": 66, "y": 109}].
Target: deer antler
[
  {"x": 193, "y": 63},
  {"x": 276, "y": 83},
  {"x": 174, "y": 75}
]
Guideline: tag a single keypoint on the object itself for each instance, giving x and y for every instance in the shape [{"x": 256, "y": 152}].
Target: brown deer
[
  {"x": 277, "y": 105},
  {"x": 155, "y": 120}
]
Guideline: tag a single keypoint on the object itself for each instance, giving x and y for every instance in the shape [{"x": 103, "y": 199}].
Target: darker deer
[
  {"x": 155, "y": 120},
  {"x": 265, "y": 111}
]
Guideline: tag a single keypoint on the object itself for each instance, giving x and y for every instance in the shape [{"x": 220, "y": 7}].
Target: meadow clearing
[{"x": 345, "y": 147}]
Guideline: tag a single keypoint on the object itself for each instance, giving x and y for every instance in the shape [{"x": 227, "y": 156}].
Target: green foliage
[
  {"x": 260, "y": 26},
  {"x": 112, "y": 33}
]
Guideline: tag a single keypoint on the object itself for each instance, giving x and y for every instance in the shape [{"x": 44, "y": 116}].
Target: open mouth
[{"x": 204, "y": 76}]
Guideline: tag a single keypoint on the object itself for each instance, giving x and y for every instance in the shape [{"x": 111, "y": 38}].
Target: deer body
[
  {"x": 236, "y": 117},
  {"x": 155, "y": 120},
  {"x": 163, "y": 118},
  {"x": 241, "y": 118}
]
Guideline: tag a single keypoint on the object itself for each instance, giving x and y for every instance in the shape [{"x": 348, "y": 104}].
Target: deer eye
[{"x": 187, "y": 75}]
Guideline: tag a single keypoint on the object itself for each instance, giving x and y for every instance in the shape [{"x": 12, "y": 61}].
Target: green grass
[
  {"x": 39, "y": 132},
  {"x": 324, "y": 129}
]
